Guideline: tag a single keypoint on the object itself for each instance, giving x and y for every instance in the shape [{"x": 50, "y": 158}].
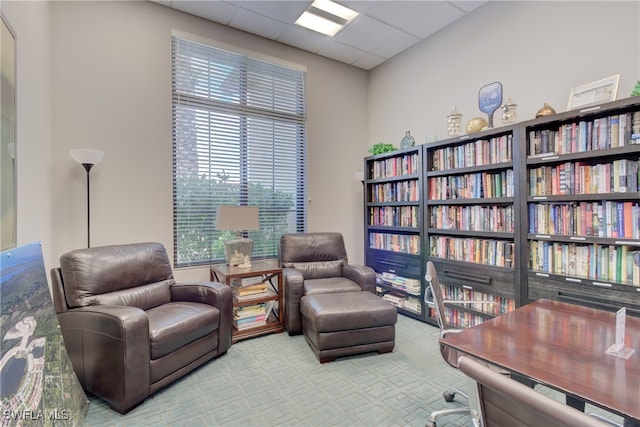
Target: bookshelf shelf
[
  {"x": 470, "y": 217},
  {"x": 393, "y": 227},
  {"x": 563, "y": 213},
  {"x": 583, "y": 207},
  {"x": 257, "y": 297}
]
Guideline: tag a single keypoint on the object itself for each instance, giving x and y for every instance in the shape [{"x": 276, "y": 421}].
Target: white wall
[
  {"x": 538, "y": 50},
  {"x": 112, "y": 91},
  {"x": 98, "y": 74},
  {"x": 30, "y": 22}
]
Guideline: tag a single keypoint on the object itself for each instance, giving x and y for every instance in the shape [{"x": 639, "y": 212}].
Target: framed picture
[{"x": 595, "y": 93}]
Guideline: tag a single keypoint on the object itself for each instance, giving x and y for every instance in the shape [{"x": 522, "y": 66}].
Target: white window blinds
[{"x": 239, "y": 138}]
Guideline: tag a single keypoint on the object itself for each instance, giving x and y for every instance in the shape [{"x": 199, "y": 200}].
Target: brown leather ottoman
[{"x": 347, "y": 323}]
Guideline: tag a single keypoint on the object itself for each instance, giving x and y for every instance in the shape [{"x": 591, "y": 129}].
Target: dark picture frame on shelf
[{"x": 594, "y": 93}]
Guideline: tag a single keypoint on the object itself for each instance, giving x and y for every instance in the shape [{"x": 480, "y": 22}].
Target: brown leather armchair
[
  {"x": 129, "y": 328},
  {"x": 316, "y": 263}
]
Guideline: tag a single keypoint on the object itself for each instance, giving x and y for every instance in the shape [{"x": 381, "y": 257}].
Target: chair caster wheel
[
  {"x": 448, "y": 396},
  {"x": 430, "y": 424}
]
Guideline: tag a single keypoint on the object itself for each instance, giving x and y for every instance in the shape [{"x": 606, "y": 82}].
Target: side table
[{"x": 268, "y": 271}]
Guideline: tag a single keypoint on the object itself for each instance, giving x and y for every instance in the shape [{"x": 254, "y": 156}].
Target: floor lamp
[{"x": 87, "y": 158}]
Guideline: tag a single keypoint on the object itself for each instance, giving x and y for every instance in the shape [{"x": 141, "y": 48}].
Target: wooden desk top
[{"x": 562, "y": 346}]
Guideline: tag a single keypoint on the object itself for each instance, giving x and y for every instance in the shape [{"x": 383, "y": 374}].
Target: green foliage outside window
[{"x": 197, "y": 239}]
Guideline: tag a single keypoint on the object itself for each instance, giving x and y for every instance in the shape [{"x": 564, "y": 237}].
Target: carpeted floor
[{"x": 275, "y": 380}]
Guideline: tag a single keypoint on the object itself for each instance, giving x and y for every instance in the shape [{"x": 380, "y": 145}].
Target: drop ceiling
[{"x": 382, "y": 30}]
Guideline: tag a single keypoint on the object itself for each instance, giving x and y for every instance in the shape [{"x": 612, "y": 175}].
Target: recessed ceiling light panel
[{"x": 326, "y": 17}]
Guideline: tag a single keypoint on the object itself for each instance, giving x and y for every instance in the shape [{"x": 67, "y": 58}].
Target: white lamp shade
[
  {"x": 86, "y": 156},
  {"x": 237, "y": 218}
]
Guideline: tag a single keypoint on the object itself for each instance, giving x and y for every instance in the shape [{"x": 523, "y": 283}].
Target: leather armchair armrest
[
  {"x": 293, "y": 281},
  {"x": 361, "y": 274},
  {"x": 213, "y": 293},
  {"x": 110, "y": 352}
]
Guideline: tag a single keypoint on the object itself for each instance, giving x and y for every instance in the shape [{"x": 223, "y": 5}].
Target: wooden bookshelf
[
  {"x": 470, "y": 221},
  {"x": 583, "y": 206},
  {"x": 393, "y": 227},
  {"x": 545, "y": 208}
]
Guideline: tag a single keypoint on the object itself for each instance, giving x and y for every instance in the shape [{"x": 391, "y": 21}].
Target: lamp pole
[
  {"x": 88, "y": 159},
  {"x": 87, "y": 167}
]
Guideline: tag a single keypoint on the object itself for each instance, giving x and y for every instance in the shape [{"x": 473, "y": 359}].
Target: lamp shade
[
  {"x": 86, "y": 156},
  {"x": 237, "y": 218}
]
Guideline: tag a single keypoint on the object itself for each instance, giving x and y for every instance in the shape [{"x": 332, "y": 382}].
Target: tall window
[{"x": 239, "y": 138}]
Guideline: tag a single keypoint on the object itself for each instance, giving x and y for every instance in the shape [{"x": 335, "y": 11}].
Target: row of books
[
  {"x": 472, "y": 186},
  {"x": 394, "y": 216},
  {"x": 475, "y": 153},
  {"x": 605, "y": 132},
  {"x": 612, "y": 263},
  {"x": 249, "y": 287},
  {"x": 401, "y": 191},
  {"x": 492, "y": 304},
  {"x": 494, "y": 252},
  {"x": 462, "y": 319},
  {"x": 405, "y": 284},
  {"x": 619, "y": 176},
  {"x": 251, "y": 316},
  {"x": 598, "y": 219},
  {"x": 395, "y": 166},
  {"x": 472, "y": 218},
  {"x": 405, "y": 302},
  {"x": 403, "y": 243}
]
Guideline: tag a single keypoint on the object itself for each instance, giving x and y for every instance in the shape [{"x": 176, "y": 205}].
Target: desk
[
  {"x": 563, "y": 347},
  {"x": 268, "y": 270}
]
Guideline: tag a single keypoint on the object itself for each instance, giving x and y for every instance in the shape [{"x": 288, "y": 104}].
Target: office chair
[
  {"x": 498, "y": 401},
  {"x": 450, "y": 355}
]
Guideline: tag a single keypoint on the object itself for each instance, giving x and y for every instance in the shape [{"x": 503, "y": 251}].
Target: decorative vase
[
  {"x": 509, "y": 113},
  {"x": 407, "y": 141},
  {"x": 454, "y": 122},
  {"x": 546, "y": 110},
  {"x": 476, "y": 124}
]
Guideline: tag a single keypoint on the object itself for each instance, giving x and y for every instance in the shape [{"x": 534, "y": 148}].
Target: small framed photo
[{"x": 595, "y": 93}]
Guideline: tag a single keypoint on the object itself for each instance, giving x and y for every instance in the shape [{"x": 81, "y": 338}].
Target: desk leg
[
  {"x": 569, "y": 400},
  {"x": 522, "y": 379},
  {"x": 575, "y": 403}
]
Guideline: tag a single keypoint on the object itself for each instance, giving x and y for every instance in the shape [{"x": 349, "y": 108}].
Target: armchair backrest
[
  {"x": 137, "y": 275},
  {"x": 316, "y": 255},
  {"x": 497, "y": 400},
  {"x": 436, "y": 292}
]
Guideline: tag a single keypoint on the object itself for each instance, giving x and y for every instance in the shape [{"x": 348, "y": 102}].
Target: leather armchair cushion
[
  {"x": 90, "y": 272},
  {"x": 176, "y": 324},
  {"x": 318, "y": 270},
  {"x": 143, "y": 297},
  {"x": 329, "y": 285}
]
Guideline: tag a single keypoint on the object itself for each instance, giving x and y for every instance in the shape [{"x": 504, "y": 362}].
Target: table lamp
[{"x": 237, "y": 251}]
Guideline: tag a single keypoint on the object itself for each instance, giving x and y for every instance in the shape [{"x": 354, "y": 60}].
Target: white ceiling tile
[
  {"x": 302, "y": 38},
  {"x": 368, "y": 61},
  {"x": 365, "y": 33},
  {"x": 401, "y": 14},
  {"x": 394, "y": 45},
  {"x": 382, "y": 30},
  {"x": 361, "y": 6},
  {"x": 255, "y": 23},
  {"x": 218, "y": 11},
  {"x": 340, "y": 52},
  {"x": 468, "y": 6},
  {"x": 283, "y": 11},
  {"x": 437, "y": 19}
]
